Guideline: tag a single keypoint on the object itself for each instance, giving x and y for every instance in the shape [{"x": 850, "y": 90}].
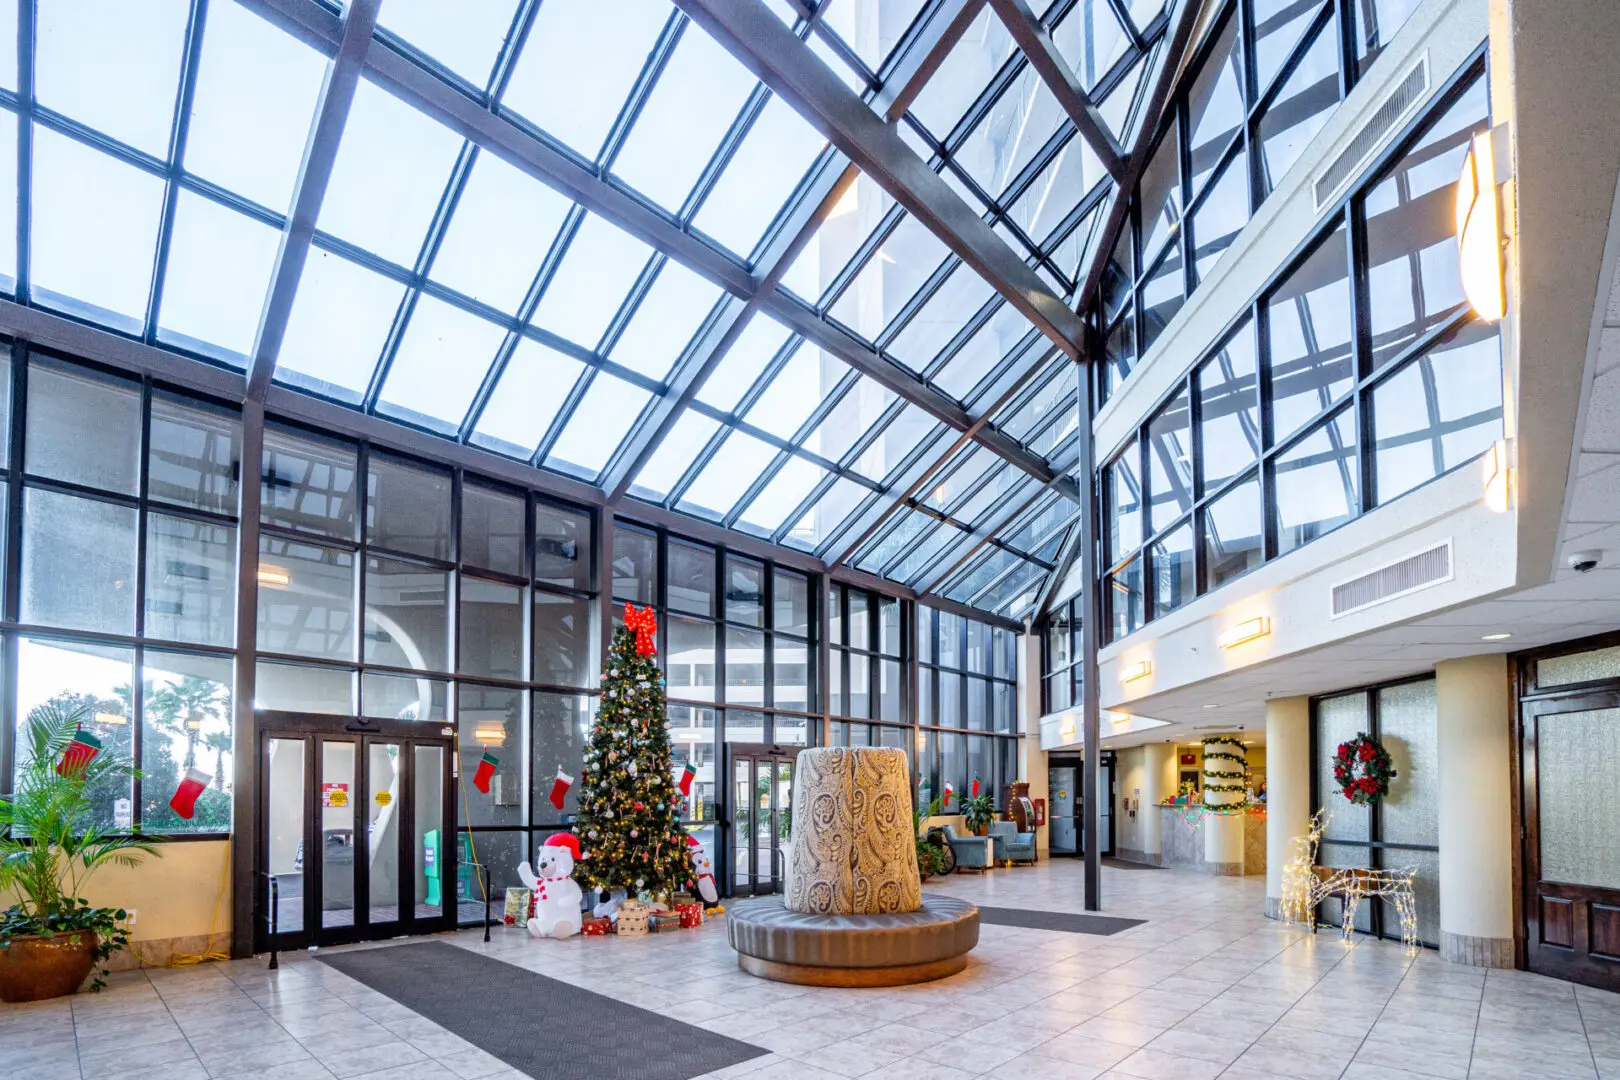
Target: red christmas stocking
[
  {"x": 559, "y": 788},
  {"x": 685, "y": 781},
  {"x": 192, "y": 785},
  {"x": 79, "y": 753},
  {"x": 486, "y": 771}
]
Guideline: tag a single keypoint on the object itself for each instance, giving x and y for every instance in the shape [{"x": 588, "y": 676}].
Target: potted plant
[
  {"x": 930, "y": 854},
  {"x": 54, "y": 834},
  {"x": 977, "y": 813}
]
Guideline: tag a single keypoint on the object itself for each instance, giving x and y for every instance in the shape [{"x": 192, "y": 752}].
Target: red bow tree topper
[{"x": 643, "y": 623}]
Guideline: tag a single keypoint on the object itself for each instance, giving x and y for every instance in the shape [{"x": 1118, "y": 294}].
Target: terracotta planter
[
  {"x": 982, "y": 830},
  {"x": 36, "y": 968}
]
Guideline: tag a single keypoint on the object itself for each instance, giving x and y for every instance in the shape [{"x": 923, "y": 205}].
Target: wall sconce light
[
  {"x": 273, "y": 576},
  {"x": 1139, "y": 670},
  {"x": 1068, "y": 728},
  {"x": 1248, "y": 630},
  {"x": 490, "y": 734},
  {"x": 1498, "y": 477},
  {"x": 1479, "y": 230},
  {"x": 111, "y": 718}
]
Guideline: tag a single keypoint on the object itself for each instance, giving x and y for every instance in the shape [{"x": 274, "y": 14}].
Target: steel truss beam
[
  {"x": 758, "y": 38},
  {"x": 1042, "y": 52},
  {"x": 475, "y": 120},
  {"x": 353, "y": 41}
]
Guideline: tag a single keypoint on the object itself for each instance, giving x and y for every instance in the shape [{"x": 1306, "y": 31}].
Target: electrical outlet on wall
[{"x": 129, "y": 918}]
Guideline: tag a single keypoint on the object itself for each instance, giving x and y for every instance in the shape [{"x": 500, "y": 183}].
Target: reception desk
[{"x": 1183, "y": 844}]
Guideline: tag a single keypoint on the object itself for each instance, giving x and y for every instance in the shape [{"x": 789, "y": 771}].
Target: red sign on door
[
  {"x": 335, "y": 795},
  {"x": 1189, "y": 759}
]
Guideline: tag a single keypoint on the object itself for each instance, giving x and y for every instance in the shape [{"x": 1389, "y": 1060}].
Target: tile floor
[{"x": 1206, "y": 987}]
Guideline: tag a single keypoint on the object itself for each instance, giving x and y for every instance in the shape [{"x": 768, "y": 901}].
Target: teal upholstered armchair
[
  {"x": 972, "y": 852},
  {"x": 1010, "y": 844}
]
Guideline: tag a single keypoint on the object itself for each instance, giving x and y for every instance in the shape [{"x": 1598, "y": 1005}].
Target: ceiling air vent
[
  {"x": 1410, "y": 574},
  {"x": 1401, "y": 100}
]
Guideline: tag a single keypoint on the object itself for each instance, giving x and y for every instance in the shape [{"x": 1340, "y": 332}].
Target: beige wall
[{"x": 172, "y": 895}]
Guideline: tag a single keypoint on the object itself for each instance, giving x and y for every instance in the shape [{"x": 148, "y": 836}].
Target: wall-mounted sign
[
  {"x": 383, "y": 798},
  {"x": 335, "y": 795},
  {"x": 1189, "y": 759}
]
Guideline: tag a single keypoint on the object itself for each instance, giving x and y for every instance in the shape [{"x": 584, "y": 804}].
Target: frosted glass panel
[
  {"x": 1337, "y": 720},
  {"x": 1406, "y": 717},
  {"x": 1578, "y": 755},
  {"x": 1578, "y": 667},
  {"x": 1344, "y": 855},
  {"x": 1425, "y": 892}
]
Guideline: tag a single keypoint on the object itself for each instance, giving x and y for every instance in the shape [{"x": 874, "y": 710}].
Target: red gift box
[
  {"x": 691, "y": 915},
  {"x": 662, "y": 922},
  {"x": 597, "y": 927}
]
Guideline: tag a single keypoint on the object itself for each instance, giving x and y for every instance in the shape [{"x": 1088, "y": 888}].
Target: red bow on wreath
[{"x": 644, "y": 624}]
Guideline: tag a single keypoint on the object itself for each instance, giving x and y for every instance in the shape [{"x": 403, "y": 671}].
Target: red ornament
[{"x": 644, "y": 624}]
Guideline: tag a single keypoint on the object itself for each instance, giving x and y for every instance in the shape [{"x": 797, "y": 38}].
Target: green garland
[
  {"x": 1223, "y": 740},
  {"x": 1226, "y": 787},
  {"x": 1227, "y": 774},
  {"x": 1216, "y": 756}
]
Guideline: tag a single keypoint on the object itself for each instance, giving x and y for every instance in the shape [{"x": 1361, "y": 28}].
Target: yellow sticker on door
[{"x": 383, "y": 798}]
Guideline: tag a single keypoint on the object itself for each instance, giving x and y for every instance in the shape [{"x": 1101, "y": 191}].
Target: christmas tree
[{"x": 629, "y": 810}]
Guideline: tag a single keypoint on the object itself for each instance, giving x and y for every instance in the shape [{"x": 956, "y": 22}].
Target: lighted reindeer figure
[{"x": 1305, "y": 885}]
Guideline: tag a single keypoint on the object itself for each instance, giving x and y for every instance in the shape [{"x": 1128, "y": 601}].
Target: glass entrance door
[
  {"x": 760, "y": 818},
  {"x": 352, "y": 835}
]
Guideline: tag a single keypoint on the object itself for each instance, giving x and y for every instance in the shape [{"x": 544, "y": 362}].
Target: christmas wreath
[{"x": 1363, "y": 769}]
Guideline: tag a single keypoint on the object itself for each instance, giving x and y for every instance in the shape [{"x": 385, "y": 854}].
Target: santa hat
[
  {"x": 564, "y": 840},
  {"x": 692, "y": 841}
]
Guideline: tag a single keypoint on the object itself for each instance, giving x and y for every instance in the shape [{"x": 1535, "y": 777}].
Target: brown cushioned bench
[{"x": 853, "y": 950}]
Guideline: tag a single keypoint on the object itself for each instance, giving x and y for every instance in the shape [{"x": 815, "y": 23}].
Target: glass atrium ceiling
[{"x": 643, "y": 270}]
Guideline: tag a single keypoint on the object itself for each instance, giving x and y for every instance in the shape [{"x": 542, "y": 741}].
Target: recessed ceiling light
[
  {"x": 1211, "y": 706},
  {"x": 1496, "y": 637}
]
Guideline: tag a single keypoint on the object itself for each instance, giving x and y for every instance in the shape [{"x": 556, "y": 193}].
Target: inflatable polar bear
[{"x": 556, "y": 895}]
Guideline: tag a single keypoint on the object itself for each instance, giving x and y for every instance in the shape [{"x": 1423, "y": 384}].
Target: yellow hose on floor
[{"x": 183, "y": 960}]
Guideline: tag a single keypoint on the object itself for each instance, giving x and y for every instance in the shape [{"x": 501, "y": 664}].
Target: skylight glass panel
[
  {"x": 597, "y": 427},
  {"x": 1278, "y": 27},
  {"x": 692, "y": 105},
  {"x": 782, "y": 494},
  {"x": 94, "y": 231},
  {"x": 834, "y": 244},
  {"x": 218, "y": 273},
  {"x": 926, "y": 552},
  {"x": 257, "y": 88},
  {"x": 907, "y": 431},
  {"x": 857, "y": 411},
  {"x": 741, "y": 365},
  {"x": 113, "y": 65},
  {"x": 891, "y": 276},
  {"x": 1053, "y": 194},
  {"x": 534, "y": 385},
  {"x": 767, "y": 167},
  {"x": 8, "y": 200},
  {"x": 840, "y": 65},
  {"x": 8, "y": 44},
  {"x": 966, "y": 71},
  {"x": 1119, "y": 107},
  {"x": 1014, "y": 130},
  {"x": 826, "y": 514},
  {"x": 983, "y": 352},
  {"x": 795, "y": 392},
  {"x": 1091, "y": 40},
  {"x": 674, "y": 455},
  {"x": 438, "y": 364},
  {"x": 389, "y": 176},
  {"x": 971, "y": 463},
  {"x": 942, "y": 317},
  {"x": 872, "y": 27},
  {"x": 463, "y": 36},
  {"x": 673, "y": 308},
  {"x": 580, "y": 61},
  {"x": 734, "y": 466},
  {"x": 987, "y": 494},
  {"x": 504, "y": 223},
  {"x": 590, "y": 285},
  {"x": 339, "y": 321},
  {"x": 901, "y": 532},
  {"x": 1143, "y": 12}
]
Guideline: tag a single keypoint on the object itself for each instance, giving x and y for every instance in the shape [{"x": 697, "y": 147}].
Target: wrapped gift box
[
  {"x": 597, "y": 927},
  {"x": 633, "y": 916},
  {"x": 691, "y": 915},
  {"x": 517, "y": 907},
  {"x": 663, "y": 922}
]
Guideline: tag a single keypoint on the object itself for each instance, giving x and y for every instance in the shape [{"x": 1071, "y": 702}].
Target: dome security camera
[{"x": 1583, "y": 562}]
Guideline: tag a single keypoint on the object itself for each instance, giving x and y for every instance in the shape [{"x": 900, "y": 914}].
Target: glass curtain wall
[
  {"x": 1359, "y": 374},
  {"x": 1061, "y": 670},
  {"x": 1267, "y": 78},
  {"x": 1400, "y": 831},
  {"x": 866, "y": 685},
  {"x": 967, "y": 711},
  {"x": 120, "y": 575},
  {"x": 737, "y": 643}
]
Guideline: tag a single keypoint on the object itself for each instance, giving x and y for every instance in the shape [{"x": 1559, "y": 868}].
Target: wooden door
[{"x": 1569, "y": 765}]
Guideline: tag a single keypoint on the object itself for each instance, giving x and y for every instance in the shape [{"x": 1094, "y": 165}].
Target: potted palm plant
[
  {"x": 53, "y": 837},
  {"x": 978, "y": 812}
]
